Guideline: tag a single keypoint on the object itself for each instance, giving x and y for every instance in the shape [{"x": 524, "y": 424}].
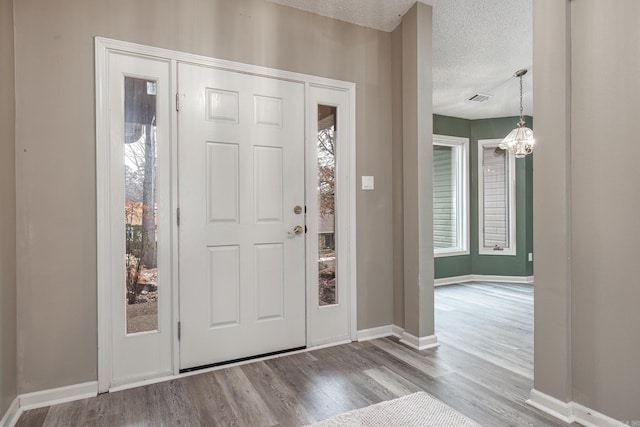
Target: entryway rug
[{"x": 414, "y": 410}]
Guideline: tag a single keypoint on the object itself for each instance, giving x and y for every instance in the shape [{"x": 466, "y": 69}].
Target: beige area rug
[{"x": 413, "y": 410}]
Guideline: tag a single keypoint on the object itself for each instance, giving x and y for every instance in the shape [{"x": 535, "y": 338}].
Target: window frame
[
  {"x": 461, "y": 146},
  {"x": 511, "y": 192}
]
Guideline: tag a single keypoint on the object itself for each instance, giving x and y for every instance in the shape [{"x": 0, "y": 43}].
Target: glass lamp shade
[{"x": 519, "y": 141}]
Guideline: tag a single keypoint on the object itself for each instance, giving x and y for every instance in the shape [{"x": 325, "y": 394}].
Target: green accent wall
[{"x": 495, "y": 265}]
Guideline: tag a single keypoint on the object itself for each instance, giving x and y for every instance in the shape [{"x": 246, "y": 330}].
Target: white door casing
[
  {"x": 108, "y": 354},
  {"x": 241, "y": 173},
  {"x": 144, "y": 355}
]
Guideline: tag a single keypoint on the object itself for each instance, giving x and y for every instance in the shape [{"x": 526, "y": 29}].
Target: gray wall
[
  {"x": 56, "y": 149},
  {"x": 605, "y": 299},
  {"x": 8, "y": 365},
  {"x": 552, "y": 198},
  {"x": 586, "y": 204}
]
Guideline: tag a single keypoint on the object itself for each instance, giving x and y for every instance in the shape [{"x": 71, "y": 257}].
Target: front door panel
[{"x": 241, "y": 174}]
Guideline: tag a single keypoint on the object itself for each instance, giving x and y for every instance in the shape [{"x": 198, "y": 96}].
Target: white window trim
[
  {"x": 461, "y": 144},
  {"x": 511, "y": 251}
]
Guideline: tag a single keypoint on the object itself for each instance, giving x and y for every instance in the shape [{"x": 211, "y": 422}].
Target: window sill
[
  {"x": 445, "y": 253},
  {"x": 505, "y": 252}
]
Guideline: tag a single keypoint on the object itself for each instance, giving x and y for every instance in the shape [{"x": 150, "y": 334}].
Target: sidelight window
[{"x": 141, "y": 261}]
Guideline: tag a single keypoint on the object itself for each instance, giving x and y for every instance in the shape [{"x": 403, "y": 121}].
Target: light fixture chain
[{"x": 521, "y": 109}]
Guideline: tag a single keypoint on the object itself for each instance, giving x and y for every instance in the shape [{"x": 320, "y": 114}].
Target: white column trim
[
  {"x": 419, "y": 343},
  {"x": 352, "y": 218}
]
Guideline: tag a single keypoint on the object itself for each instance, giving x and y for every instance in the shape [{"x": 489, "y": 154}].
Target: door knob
[{"x": 296, "y": 230}]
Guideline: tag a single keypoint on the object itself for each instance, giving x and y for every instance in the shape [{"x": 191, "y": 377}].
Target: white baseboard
[
  {"x": 397, "y": 331},
  {"x": 406, "y": 338},
  {"x": 455, "y": 280},
  {"x": 380, "y": 332},
  {"x": 481, "y": 278},
  {"x": 552, "y": 406},
  {"x": 10, "y": 418},
  {"x": 590, "y": 418},
  {"x": 55, "y": 396},
  {"x": 419, "y": 343},
  {"x": 373, "y": 333},
  {"x": 571, "y": 412}
]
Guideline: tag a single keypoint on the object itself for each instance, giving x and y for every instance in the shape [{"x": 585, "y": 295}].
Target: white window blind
[
  {"x": 496, "y": 200},
  {"x": 444, "y": 197},
  {"x": 450, "y": 195}
]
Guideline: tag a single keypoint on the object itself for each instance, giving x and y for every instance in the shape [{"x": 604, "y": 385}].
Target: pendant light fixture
[{"x": 520, "y": 140}]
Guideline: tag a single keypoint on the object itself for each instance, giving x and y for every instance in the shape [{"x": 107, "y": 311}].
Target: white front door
[{"x": 240, "y": 179}]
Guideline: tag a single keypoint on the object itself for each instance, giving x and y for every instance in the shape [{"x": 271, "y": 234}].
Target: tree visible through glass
[
  {"x": 327, "y": 127},
  {"x": 140, "y": 155}
]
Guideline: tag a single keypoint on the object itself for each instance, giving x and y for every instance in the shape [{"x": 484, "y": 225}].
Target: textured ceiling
[{"x": 477, "y": 46}]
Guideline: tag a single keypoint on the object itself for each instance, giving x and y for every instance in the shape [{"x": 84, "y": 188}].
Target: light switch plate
[{"x": 367, "y": 183}]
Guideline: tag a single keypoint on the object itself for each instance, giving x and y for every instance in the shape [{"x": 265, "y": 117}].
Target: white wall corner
[
  {"x": 422, "y": 343},
  {"x": 552, "y": 406},
  {"x": 373, "y": 333},
  {"x": 54, "y": 396},
  {"x": 397, "y": 331},
  {"x": 10, "y": 418}
]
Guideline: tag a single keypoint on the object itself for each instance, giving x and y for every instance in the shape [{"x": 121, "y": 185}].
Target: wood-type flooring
[{"x": 483, "y": 368}]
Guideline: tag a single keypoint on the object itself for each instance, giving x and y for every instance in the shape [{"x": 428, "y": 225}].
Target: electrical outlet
[{"x": 530, "y": 256}]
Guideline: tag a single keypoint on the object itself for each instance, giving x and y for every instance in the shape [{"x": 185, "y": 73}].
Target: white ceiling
[{"x": 477, "y": 46}]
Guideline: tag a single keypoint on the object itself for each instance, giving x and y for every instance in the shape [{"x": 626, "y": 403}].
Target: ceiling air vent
[{"x": 479, "y": 97}]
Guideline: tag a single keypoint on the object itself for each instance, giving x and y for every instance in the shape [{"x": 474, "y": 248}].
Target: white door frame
[{"x": 347, "y": 211}]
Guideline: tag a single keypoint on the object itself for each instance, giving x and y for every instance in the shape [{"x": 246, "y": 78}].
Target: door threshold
[
  {"x": 242, "y": 359},
  {"x": 187, "y": 372}
]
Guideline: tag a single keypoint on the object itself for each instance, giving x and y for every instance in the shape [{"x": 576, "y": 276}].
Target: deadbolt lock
[{"x": 297, "y": 210}]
